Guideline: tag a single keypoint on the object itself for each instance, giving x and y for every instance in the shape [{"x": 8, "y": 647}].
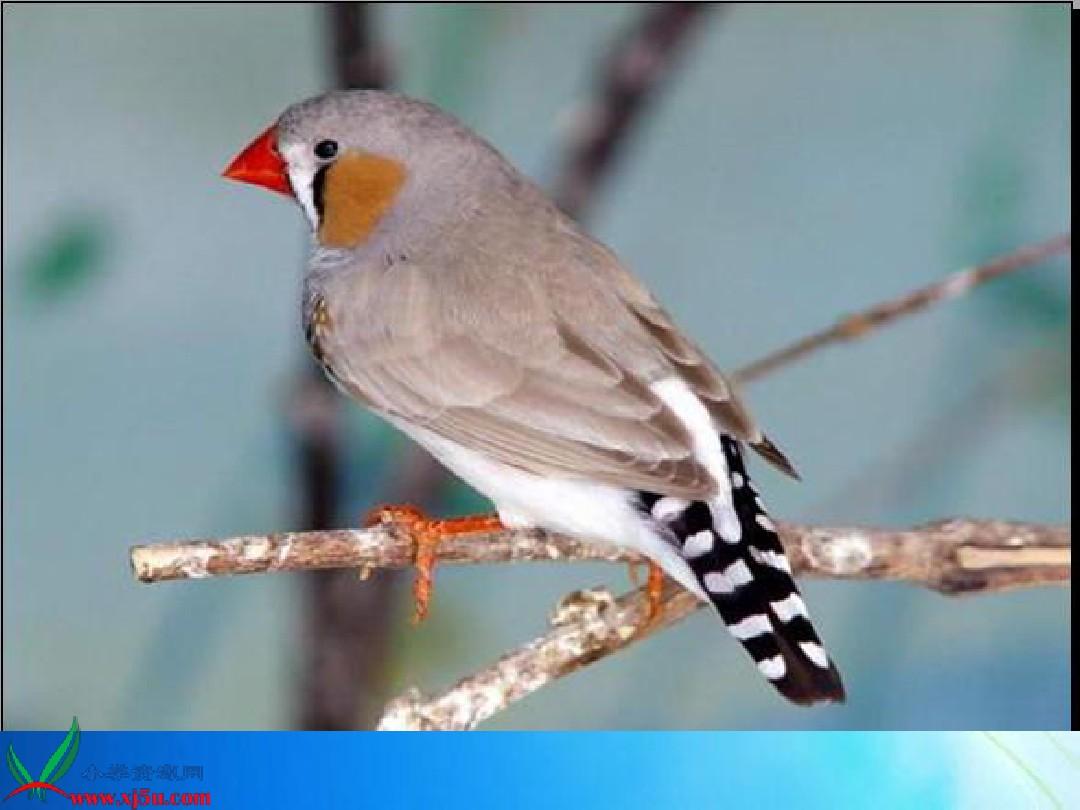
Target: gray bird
[{"x": 448, "y": 294}]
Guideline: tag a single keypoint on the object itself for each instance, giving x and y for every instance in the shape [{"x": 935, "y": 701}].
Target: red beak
[{"x": 261, "y": 165}]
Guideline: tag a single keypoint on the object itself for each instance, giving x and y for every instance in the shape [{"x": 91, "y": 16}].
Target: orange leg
[
  {"x": 427, "y": 534},
  {"x": 655, "y": 589}
]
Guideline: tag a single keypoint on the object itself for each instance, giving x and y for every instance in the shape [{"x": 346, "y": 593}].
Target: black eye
[{"x": 324, "y": 150}]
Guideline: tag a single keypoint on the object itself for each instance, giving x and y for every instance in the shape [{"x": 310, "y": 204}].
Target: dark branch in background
[
  {"x": 627, "y": 79},
  {"x": 357, "y": 59},
  {"x": 346, "y": 623}
]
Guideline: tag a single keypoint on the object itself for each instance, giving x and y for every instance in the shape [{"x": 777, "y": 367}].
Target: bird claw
[
  {"x": 426, "y": 535},
  {"x": 654, "y": 588}
]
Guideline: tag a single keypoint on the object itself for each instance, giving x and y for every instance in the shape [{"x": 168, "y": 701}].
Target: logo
[{"x": 57, "y": 765}]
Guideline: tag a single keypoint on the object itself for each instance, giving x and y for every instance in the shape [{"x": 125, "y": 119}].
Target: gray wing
[
  {"x": 718, "y": 393},
  {"x": 546, "y": 366}
]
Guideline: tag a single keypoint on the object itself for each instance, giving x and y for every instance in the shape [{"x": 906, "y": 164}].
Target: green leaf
[
  {"x": 63, "y": 756},
  {"x": 22, "y": 776},
  {"x": 70, "y": 256}
]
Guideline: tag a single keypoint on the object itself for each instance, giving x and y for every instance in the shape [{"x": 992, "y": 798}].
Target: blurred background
[{"x": 795, "y": 163}]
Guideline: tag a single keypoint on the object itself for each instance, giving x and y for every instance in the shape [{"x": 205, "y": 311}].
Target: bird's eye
[{"x": 324, "y": 150}]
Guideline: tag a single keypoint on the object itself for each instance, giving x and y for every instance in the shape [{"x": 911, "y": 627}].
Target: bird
[{"x": 450, "y": 295}]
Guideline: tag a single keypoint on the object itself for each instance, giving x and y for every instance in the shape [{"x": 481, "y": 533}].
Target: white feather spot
[
  {"x": 751, "y": 626},
  {"x": 667, "y": 508},
  {"x": 734, "y": 576},
  {"x": 788, "y": 609},
  {"x": 691, "y": 411},
  {"x": 698, "y": 544},
  {"x": 738, "y": 573},
  {"x": 816, "y": 653},
  {"x": 727, "y": 523},
  {"x": 300, "y": 164},
  {"x": 771, "y": 558},
  {"x": 764, "y": 522},
  {"x": 772, "y": 668},
  {"x": 717, "y": 582},
  {"x": 737, "y": 480}
]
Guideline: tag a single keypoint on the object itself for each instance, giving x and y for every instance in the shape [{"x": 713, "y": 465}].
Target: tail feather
[
  {"x": 736, "y": 556},
  {"x": 810, "y": 675}
]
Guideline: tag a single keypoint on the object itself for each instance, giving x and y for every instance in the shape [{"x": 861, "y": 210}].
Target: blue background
[{"x": 527, "y": 770}]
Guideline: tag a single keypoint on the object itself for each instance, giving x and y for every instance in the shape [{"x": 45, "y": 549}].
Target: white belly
[{"x": 584, "y": 509}]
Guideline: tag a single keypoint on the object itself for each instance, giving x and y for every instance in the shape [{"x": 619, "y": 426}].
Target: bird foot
[
  {"x": 654, "y": 588},
  {"x": 426, "y": 535}
]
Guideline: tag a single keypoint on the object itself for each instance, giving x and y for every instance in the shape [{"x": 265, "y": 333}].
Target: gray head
[{"x": 369, "y": 150}]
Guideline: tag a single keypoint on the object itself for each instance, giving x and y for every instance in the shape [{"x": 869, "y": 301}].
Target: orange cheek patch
[{"x": 359, "y": 190}]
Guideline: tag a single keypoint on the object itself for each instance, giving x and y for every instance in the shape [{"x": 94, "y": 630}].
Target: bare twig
[
  {"x": 955, "y": 556},
  {"x": 628, "y": 76},
  {"x": 356, "y": 57},
  {"x": 862, "y": 323},
  {"x": 952, "y": 556}
]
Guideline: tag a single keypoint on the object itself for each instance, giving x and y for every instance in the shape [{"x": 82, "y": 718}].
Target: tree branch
[
  {"x": 861, "y": 324},
  {"x": 953, "y": 557},
  {"x": 627, "y": 78}
]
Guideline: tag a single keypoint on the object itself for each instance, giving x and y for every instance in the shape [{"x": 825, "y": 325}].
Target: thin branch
[
  {"x": 356, "y": 57},
  {"x": 376, "y": 547},
  {"x": 955, "y": 556},
  {"x": 859, "y": 325},
  {"x": 952, "y": 557}
]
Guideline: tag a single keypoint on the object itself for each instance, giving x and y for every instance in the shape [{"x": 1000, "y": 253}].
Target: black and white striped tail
[{"x": 739, "y": 562}]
